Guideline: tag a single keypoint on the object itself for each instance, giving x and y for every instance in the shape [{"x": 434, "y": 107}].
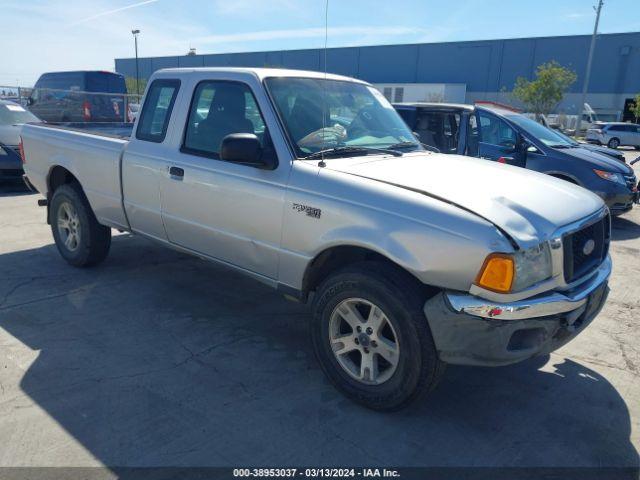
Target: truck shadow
[
  {"x": 624, "y": 229},
  {"x": 13, "y": 187},
  {"x": 158, "y": 359}
]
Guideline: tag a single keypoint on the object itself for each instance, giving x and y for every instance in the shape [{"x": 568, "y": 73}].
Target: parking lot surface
[{"x": 159, "y": 359}]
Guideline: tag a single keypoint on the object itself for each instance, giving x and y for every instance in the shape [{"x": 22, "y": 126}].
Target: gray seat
[
  {"x": 306, "y": 117},
  {"x": 226, "y": 115}
]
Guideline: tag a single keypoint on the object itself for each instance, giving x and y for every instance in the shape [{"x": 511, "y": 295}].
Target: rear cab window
[
  {"x": 105, "y": 82},
  {"x": 62, "y": 81},
  {"x": 156, "y": 110}
]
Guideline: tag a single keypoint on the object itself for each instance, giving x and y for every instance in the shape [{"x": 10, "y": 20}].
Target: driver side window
[
  {"x": 218, "y": 109},
  {"x": 495, "y": 131}
]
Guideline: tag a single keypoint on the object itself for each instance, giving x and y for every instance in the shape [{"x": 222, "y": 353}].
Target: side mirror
[
  {"x": 245, "y": 148},
  {"x": 30, "y": 101}
]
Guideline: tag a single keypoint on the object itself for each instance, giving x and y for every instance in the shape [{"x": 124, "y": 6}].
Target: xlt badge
[{"x": 310, "y": 211}]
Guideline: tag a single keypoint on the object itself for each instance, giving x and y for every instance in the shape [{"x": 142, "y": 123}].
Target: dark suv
[
  {"x": 502, "y": 135},
  {"x": 82, "y": 96}
]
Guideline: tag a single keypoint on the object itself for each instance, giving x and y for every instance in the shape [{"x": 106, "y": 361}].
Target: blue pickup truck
[
  {"x": 80, "y": 96},
  {"x": 502, "y": 135}
]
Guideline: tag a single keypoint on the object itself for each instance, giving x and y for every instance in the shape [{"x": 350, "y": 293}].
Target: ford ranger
[{"x": 313, "y": 184}]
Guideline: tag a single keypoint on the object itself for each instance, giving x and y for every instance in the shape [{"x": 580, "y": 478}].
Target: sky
[{"x": 54, "y": 35}]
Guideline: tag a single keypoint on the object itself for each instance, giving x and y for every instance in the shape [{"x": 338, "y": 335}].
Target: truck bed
[
  {"x": 92, "y": 157},
  {"x": 111, "y": 129}
]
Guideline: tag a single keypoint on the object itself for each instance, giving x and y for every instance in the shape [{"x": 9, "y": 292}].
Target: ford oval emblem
[{"x": 588, "y": 247}]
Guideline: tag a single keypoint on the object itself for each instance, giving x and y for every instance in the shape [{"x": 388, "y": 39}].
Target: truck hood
[{"x": 528, "y": 206}]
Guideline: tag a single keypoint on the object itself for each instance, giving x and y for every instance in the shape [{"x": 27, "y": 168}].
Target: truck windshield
[
  {"x": 547, "y": 136},
  {"x": 323, "y": 114}
]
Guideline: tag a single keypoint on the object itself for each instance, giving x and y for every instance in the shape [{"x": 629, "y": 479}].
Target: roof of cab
[
  {"x": 260, "y": 73},
  {"x": 435, "y": 105}
]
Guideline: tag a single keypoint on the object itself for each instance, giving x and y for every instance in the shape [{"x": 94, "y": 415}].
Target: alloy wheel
[
  {"x": 69, "y": 226},
  {"x": 364, "y": 341}
]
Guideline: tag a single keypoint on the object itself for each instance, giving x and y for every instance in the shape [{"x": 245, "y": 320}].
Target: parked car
[
  {"x": 12, "y": 117},
  {"x": 502, "y": 135},
  {"x": 615, "y": 134},
  {"x": 82, "y": 96},
  {"x": 411, "y": 259}
]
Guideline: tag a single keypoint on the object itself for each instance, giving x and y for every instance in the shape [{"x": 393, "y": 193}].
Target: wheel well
[
  {"x": 59, "y": 176},
  {"x": 336, "y": 258}
]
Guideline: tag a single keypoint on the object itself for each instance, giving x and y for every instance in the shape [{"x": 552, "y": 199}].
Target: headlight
[
  {"x": 504, "y": 273},
  {"x": 612, "y": 177},
  {"x": 532, "y": 266}
]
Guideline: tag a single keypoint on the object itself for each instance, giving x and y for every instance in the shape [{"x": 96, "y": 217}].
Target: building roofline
[{"x": 386, "y": 45}]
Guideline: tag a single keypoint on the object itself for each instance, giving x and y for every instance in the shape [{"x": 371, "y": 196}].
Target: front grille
[
  {"x": 585, "y": 249},
  {"x": 630, "y": 180}
]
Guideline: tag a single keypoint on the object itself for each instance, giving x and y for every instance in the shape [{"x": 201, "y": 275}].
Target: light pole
[
  {"x": 135, "y": 39},
  {"x": 587, "y": 73}
]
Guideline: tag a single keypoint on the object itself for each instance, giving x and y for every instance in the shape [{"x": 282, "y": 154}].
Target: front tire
[
  {"x": 371, "y": 337},
  {"x": 613, "y": 143},
  {"x": 80, "y": 239}
]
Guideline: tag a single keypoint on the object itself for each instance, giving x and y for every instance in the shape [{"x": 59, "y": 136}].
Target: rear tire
[
  {"x": 613, "y": 143},
  {"x": 371, "y": 337},
  {"x": 80, "y": 239}
]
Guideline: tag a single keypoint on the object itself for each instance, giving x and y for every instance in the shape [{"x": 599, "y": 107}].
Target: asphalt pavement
[{"x": 155, "y": 358}]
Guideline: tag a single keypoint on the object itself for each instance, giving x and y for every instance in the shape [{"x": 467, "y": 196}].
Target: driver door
[
  {"x": 497, "y": 140},
  {"x": 225, "y": 210}
]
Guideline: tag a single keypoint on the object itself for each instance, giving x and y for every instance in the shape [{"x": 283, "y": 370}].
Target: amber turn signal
[{"x": 497, "y": 273}]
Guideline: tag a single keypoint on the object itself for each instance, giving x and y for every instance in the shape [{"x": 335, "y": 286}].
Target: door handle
[{"x": 176, "y": 172}]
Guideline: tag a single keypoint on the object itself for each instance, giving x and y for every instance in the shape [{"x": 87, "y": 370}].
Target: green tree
[
  {"x": 542, "y": 95},
  {"x": 635, "y": 107},
  {"x": 131, "y": 85}
]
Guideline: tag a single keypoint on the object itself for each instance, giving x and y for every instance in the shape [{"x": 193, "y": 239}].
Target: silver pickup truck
[{"x": 312, "y": 183}]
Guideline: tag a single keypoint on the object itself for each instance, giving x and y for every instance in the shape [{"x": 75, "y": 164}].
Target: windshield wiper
[
  {"x": 336, "y": 151},
  {"x": 413, "y": 144},
  {"x": 404, "y": 145}
]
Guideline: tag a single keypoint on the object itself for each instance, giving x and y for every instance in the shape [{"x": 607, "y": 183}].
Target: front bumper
[
  {"x": 619, "y": 200},
  {"x": 469, "y": 330}
]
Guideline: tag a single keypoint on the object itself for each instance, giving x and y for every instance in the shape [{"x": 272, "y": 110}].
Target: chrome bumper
[{"x": 543, "y": 305}]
